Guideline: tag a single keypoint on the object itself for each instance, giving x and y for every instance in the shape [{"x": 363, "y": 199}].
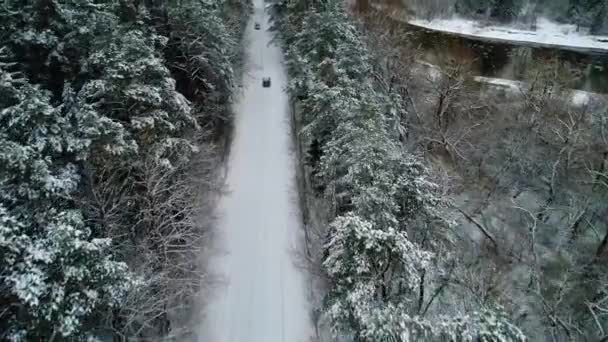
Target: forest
[
  {"x": 440, "y": 208},
  {"x": 436, "y": 207},
  {"x": 590, "y": 14},
  {"x": 381, "y": 238},
  {"x": 112, "y": 121}
]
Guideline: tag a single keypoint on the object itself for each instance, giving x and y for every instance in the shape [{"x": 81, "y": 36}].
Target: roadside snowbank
[{"x": 547, "y": 34}]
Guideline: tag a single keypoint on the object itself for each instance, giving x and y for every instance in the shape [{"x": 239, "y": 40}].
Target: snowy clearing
[
  {"x": 547, "y": 34},
  {"x": 263, "y": 295}
]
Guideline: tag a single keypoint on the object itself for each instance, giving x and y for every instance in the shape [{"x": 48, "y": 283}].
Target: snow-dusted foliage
[
  {"x": 589, "y": 14},
  {"x": 105, "y": 106},
  {"x": 52, "y": 38},
  {"x": 131, "y": 86},
  {"x": 386, "y": 239},
  {"x": 204, "y": 68},
  {"x": 54, "y": 273}
]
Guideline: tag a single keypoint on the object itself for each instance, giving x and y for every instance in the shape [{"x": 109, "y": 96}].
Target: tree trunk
[
  {"x": 421, "y": 291},
  {"x": 362, "y": 6},
  {"x": 602, "y": 249}
]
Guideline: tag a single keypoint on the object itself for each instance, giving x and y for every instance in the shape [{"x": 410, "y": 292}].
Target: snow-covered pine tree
[
  {"x": 122, "y": 73},
  {"x": 55, "y": 274},
  {"x": 203, "y": 68},
  {"x": 51, "y": 39},
  {"x": 386, "y": 226},
  {"x": 130, "y": 85}
]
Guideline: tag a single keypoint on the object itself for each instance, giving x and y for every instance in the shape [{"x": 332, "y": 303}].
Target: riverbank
[
  {"x": 505, "y": 59},
  {"x": 548, "y": 34}
]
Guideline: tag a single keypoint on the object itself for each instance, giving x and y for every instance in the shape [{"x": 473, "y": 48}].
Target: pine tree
[
  {"x": 203, "y": 68},
  {"x": 51, "y": 39},
  {"x": 474, "y": 8},
  {"x": 506, "y": 10},
  {"x": 599, "y": 21},
  {"x": 120, "y": 87},
  {"x": 130, "y": 86},
  {"x": 55, "y": 274},
  {"x": 386, "y": 225}
]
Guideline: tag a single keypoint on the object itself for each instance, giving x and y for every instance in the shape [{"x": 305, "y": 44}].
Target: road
[{"x": 263, "y": 296}]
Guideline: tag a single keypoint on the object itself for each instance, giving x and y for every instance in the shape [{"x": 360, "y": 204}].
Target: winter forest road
[{"x": 263, "y": 294}]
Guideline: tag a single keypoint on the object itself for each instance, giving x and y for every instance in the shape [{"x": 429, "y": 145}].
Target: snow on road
[
  {"x": 263, "y": 294},
  {"x": 547, "y": 33}
]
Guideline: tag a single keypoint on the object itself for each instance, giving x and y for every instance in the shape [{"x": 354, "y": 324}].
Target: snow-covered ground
[
  {"x": 263, "y": 295},
  {"x": 547, "y": 33},
  {"x": 577, "y": 97}
]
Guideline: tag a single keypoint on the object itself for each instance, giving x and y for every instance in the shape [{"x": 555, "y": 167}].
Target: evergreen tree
[
  {"x": 474, "y": 8},
  {"x": 55, "y": 274},
  {"x": 506, "y": 10},
  {"x": 120, "y": 89},
  {"x": 129, "y": 85},
  {"x": 203, "y": 68},
  {"x": 599, "y": 21},
  {"x": 51, "y": 39},
  {"x": 383, "y": 204},
  {"x": 583, "y": 13}
]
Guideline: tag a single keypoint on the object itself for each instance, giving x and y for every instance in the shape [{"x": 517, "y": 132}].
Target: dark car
[
  {"x": 266, "y": 82},
  {"x": 257, "y": 26}
]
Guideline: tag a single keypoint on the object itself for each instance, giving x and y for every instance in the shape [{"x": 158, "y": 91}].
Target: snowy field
[
  {"x": 263, "y": 295},
  {"x": 547, "y": 34}
]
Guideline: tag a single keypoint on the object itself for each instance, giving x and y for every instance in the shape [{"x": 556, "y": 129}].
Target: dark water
[
  {"x": 589, "y": 70},
  {"x": 510, "y": 61}
]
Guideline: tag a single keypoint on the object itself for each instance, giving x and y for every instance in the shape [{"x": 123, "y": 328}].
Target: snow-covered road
[{"x": 263, "y": 295}]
